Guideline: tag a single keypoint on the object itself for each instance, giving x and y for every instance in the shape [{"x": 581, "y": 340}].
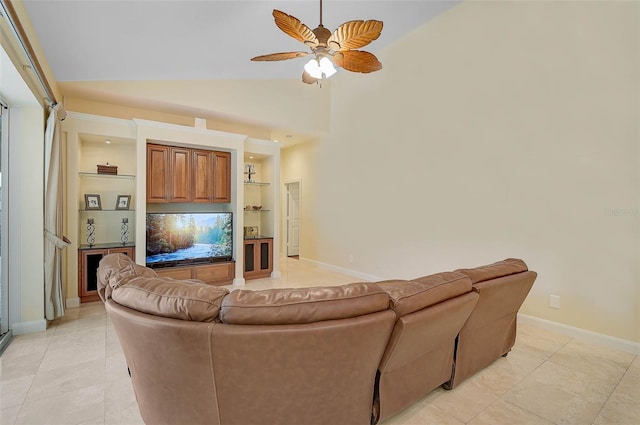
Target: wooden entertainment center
[{"x": 185, "y": 175}]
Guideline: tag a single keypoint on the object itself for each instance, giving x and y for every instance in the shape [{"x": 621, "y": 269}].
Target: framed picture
[
  {"x": 92, "y": 201},
  {"x": 123, "y": 202}
]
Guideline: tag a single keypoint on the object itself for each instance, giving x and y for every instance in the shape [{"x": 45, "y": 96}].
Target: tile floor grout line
[{"x": 612, "y": 391}]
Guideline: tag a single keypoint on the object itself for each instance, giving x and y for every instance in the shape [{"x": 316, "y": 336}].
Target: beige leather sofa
[{"x": 349, "y": 354}]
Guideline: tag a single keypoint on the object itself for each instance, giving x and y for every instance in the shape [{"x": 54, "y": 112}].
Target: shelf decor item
[
  {"x": 124, "y": 231},
  {"x": 92, "y": 201},
  {"x": 91, "y": 232},
  {"x": 123, "y": 202},
  {"x": 251, "y": 170},
  {"x": 107, "y": 169},
  {"x": 250, "y": 231}
]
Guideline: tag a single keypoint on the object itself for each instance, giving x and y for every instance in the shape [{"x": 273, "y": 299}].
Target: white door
[{"x": 293, "y": 219}]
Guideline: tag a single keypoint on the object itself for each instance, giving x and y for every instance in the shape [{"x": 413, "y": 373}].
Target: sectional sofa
[{"x": 349, "y": 354}]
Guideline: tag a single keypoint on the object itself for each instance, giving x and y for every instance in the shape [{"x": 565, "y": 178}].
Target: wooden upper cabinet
[
  {"x": 180, "y": 175},
  {"x": 202, "y": 176},
  {"x": 187, "y": 175},
  {"x": 157, "y": 173},
  {"x": 221, "y": 177}
]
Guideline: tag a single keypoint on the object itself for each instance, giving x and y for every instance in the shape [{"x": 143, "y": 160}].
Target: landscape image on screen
[{"x": 175, "y": 238}]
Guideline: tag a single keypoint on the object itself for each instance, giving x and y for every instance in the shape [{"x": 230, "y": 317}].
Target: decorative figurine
[
  {"x": 124, "y": 231},
  {"x": 91, "y": 232}
]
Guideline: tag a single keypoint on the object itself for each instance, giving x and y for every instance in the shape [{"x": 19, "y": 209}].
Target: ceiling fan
[{"x": 329, "y": 49}]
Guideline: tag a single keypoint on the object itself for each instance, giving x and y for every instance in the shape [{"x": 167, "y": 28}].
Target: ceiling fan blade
[
  {"x": 280, "y": 56},
  {"x": 354, "y": 34},
  {"x": 306, "y": 78},
  {"x": 294, "y": 28},
  {"x": 357, "y": 61}
]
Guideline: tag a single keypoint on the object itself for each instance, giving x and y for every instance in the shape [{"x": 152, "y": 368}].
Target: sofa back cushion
[
  {"x": 410, "y": 296},
  {"x": 493, "y": 271},
  {"x": 302, "y": 305},
  {"x": 167, "y": 297},
  {"x": 116, "y": 270}
]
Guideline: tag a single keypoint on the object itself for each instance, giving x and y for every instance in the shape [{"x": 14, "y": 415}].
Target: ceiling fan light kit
[
  {"x": 319, "y": 69},
  {"x": 329, "y": 49}
]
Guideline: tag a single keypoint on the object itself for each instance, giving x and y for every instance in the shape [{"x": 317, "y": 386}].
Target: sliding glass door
[{"x": 4, "y": 290}]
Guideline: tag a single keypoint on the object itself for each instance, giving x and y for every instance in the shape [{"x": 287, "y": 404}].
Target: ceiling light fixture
[
  {"x": 329, "y": 49},
  {"x": 108, "y": 142}
]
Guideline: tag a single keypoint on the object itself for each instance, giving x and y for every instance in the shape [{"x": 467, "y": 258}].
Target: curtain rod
[{"x": 8, "y": 11}]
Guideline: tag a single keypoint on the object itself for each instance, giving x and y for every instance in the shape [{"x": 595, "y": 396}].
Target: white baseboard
[
  {"x": 238, "y": 281},
  {"x": 602, "y": 339},
  {"x": 343, "y": 270},
  {"x": 22, "y": 328},
  {"x": 72, "y": 303},
  {"x": 276, "y": 274}
]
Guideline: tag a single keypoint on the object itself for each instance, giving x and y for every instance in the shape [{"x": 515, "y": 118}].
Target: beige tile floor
[{"x": 75, "y": 373}]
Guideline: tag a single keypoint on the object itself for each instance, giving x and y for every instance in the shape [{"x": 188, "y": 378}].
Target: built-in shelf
[
  {"x": 257, "y": 183},
  {"x": 116, "y": 176},
  {"x": 106, "y": 210},
  {"x": 256, "y": 211},
  {"x": 107, "y": 245}
]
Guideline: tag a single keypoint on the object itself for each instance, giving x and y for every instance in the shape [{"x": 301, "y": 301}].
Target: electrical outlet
[{"x": 554, "y": 301}]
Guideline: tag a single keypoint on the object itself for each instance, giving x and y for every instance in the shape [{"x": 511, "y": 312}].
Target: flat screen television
[{"x": 177, "y": 238}]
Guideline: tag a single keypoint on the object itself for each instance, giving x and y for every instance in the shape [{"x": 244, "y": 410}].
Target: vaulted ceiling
[{"x": 193, "y": 57}]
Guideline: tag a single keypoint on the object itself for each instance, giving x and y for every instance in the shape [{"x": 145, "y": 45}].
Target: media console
[{"x": 221, "y": 273}]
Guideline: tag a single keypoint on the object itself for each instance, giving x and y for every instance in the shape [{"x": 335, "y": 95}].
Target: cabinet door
[
  {"x": 215, "y": 274},
  {"x": 202, "y": 176},
  {"x": 249, "y": 257},
  {"x": 221, "y": 177},
  {"x": 179, "y": 273},
  {"x": 258, "y": 258},
  {"x": 180, "y": 175},
  {"x": 87, "y": 274},
  {"x": 157, "y": 173},
  {"x": 265, "y": 254},
  {"x": 129, "y": 251}
]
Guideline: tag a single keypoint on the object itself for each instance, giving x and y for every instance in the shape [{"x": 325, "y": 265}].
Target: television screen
[{"x": 177, "y": 237}]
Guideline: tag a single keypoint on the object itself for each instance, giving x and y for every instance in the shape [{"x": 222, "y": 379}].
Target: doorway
[{"x": 292, "y": 218}]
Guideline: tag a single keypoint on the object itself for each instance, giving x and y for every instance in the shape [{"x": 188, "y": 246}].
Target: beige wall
[
  {"x": 299, "y": 164},
  {"x": 499, "y": 129}
]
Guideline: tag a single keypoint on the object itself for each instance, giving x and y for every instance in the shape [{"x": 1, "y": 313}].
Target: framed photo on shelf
[
  {"x": 123, "y": 202},
  {"x": 92, "y": 201}
]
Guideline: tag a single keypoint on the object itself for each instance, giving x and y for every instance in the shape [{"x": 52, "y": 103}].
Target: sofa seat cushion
[
  {"x": 302, "y": 305},
  {"x": 116, "y": 270},
  {"x": 411, "y": 296},
  {"x": 495, "y": 270},
  {"x": 167, "y": 297}
]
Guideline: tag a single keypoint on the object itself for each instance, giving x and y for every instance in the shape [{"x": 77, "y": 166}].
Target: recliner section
[
  {"x": 490, "y": 331},
  {"x": 348, "y": 354},
  {"x": 429, "y": 314}
]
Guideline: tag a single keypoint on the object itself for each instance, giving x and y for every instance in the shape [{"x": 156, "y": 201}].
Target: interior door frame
[{"x": 285, "y": 214}]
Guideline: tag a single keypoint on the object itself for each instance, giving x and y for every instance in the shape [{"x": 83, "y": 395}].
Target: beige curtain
[{"x": 53, "y": 240}]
